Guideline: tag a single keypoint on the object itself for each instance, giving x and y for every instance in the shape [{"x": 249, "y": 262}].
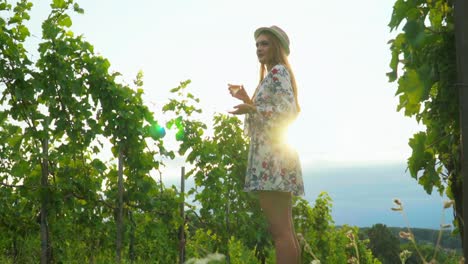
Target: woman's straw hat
[{"x": 278, "y": 32}]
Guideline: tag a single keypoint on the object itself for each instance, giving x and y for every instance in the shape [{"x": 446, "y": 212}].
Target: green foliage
[
  {"x": 56, "y": 113},
  {"x": 421, "y": 249},
  {"x": 425, "y": 53},
  {"x": 448, "y": 240},
  {"x": 240, "y": 254},
  {"x": 384, "y": 245},
  {"x": 427, "y": 250},
  {"x": 449, "y": 252},
  {"x": 328, "y": 243},
  {"x": 201, "y": 243},
  {"x": 61, "y": 111}
]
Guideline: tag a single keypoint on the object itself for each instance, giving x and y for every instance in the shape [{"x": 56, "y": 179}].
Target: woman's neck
[{"x": 269, "y": 67}]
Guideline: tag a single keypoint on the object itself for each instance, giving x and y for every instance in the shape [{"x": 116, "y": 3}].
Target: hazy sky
[{"x": 339, "y": 53}]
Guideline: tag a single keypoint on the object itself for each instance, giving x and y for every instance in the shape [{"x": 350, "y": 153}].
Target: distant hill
[{"x": 427, "y": 236}]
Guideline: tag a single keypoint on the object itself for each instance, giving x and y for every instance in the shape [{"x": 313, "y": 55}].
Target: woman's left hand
[
  {"x": 243, "y": 109},
  {"x": 238, "y": 91}
]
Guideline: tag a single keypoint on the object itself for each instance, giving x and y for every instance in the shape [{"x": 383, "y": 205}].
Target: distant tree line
[{"x": 386, "y": 244}]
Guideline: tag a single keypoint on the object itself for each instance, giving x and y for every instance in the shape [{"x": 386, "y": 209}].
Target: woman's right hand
[{"x": 238, "y": 91}]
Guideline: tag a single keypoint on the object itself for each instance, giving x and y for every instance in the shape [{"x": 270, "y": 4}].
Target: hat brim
[{"x": 283, "y": 41}]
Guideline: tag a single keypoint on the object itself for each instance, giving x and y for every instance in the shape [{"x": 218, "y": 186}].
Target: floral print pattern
[{"x": 272, "y": 164}]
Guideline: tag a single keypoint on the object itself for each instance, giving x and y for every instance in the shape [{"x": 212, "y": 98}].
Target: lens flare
[{"x": 156, "y": 131}]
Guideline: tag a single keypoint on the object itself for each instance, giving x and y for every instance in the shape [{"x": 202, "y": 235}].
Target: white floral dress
[{"x": 272, "y": 164}]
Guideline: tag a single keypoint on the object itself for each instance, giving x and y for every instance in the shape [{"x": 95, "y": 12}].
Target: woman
[{"x": 273, "y": 169}]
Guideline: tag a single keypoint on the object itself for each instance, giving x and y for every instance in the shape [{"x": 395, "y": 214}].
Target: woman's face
[{"x": 264, "y": 49}]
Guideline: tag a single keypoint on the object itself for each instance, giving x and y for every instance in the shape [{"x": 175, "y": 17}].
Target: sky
[{"x": 339, "y": 54}]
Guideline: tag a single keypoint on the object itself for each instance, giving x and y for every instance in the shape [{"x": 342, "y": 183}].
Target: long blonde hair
[{"x": 279, "y": 57}]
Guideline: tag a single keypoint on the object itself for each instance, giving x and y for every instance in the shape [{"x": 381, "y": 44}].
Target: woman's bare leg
[{"x": 277, "y": 209}]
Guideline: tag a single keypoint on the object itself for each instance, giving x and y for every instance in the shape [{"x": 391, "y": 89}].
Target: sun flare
[{"x": 293, "y": 136}]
